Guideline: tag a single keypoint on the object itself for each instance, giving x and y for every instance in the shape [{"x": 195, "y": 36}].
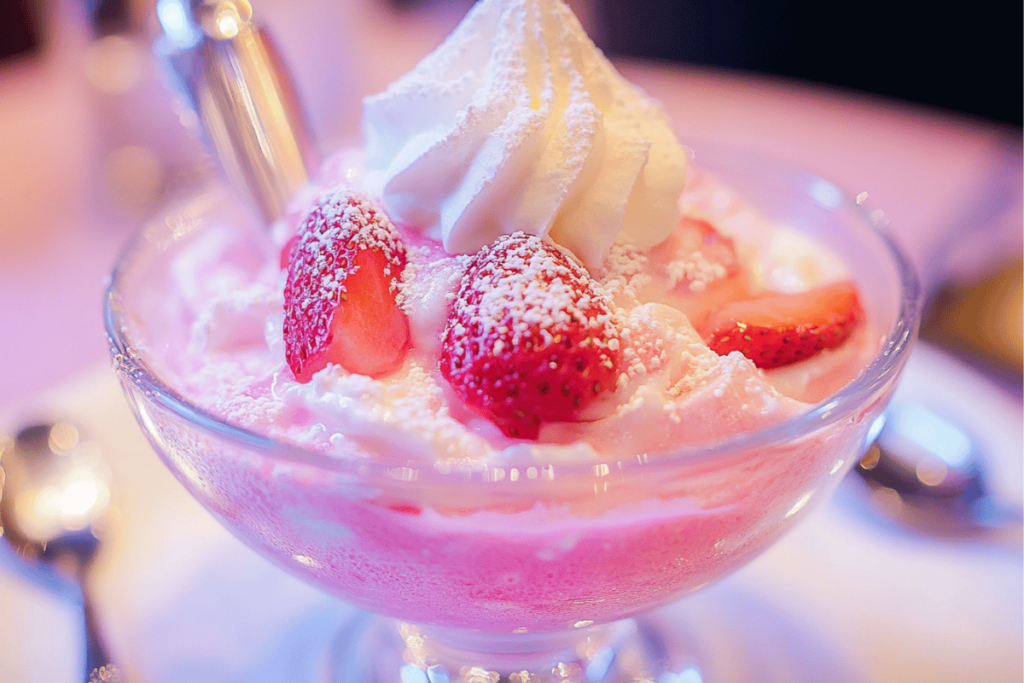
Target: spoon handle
[{"x": 224, "y": 64}]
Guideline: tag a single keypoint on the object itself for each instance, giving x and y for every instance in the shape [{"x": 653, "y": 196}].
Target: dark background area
[
  {"x": 966, "y": 57},
  {"x": 19, "y": 33}
]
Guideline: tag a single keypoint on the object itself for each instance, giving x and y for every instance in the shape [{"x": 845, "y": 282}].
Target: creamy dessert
[
  {"x": 522, "y": 253},
  {"x": 499, "y": 348}
]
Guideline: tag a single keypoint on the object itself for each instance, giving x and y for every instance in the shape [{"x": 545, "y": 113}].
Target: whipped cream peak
[{"x": 518, "y": 122}]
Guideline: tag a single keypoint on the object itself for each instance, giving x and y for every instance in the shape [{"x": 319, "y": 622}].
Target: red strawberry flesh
[
  {"x": 529, "y": 339},
  {"x": 340, "y": 294},
  {"x": 775, "y": 329}
]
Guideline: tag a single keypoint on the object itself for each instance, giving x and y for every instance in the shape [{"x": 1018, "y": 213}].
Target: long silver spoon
[{"x": 54, "y": 491}]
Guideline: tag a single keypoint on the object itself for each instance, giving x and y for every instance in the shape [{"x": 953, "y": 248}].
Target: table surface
[{"x": 935, "y": 174}]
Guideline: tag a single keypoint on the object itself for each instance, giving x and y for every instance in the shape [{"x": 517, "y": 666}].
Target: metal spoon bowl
[
  {"x": 932, "y": 468},
  {"x": 54, "y": 493},
  {"x": 927, "y": 472}
]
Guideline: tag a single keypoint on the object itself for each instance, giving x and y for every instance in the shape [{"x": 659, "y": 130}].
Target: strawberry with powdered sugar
[
  {"x": 774, "y": 329},
  {"x": 530, "y": 339},
  {"x": 340, "y": 307},
  {"x": 701, "y": 256}
]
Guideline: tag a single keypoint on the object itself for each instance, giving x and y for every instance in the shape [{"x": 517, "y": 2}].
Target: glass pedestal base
[
  {"x": 719, "y": 636},
  {"x": 379, "y": 650}
]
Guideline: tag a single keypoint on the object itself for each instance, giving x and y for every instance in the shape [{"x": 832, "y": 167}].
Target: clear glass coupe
[{"x": 520, "y": 574}]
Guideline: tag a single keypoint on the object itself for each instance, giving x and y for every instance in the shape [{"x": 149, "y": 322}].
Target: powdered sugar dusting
[
  {"x": 517, "y": 289},
  {"x": 342, "y": 231},
  {"x": 531, "y": 337},
  {"x": 625, "y": 273},
  {"x": 695, "y": 270}
]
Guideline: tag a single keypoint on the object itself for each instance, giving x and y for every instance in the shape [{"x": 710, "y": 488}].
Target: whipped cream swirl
[{"x": 518, "y": 122}]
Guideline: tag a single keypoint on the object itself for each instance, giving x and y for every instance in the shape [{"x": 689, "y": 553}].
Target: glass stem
[{"x": 405, "y": 653}]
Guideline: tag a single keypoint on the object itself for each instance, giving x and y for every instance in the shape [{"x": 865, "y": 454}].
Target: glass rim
[{"x": 875, "y": 375}]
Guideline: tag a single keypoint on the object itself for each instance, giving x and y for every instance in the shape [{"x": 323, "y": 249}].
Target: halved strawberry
[
  {"x": 775, "y": 329},
  {"x": 529, "y": 338},
  {"x": 339, "y": 298}
]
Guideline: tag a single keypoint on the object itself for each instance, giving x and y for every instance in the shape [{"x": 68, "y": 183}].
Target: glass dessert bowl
[{"x": 512, "y": 570}]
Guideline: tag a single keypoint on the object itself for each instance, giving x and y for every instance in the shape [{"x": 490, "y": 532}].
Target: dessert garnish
[
  {"x": 774, "y": 329},
  {"x": 529, "y": 338},
  {"x": 702, "y": 256},
  {"x": 700, "y": 268},
  {"x": 340, "y": 296}
]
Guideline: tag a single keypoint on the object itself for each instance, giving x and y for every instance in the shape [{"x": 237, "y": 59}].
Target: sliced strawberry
[
  {"x": 774, "y": 329},
  {"x": 529, "y": 338},
  {"x": 696, "y": 255},
  {"x": 339, "y": 298},
  {"x": 699, "y": 268}
]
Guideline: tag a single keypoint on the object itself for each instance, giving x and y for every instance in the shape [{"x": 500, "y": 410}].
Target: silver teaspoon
[
  {"x": 54, "y": 491},
  {"x": 224, "y": 65},
  {"x": 927, "y": 472}
]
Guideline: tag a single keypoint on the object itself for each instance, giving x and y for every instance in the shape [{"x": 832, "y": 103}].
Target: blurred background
[{"x": 963, "y": 58}]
